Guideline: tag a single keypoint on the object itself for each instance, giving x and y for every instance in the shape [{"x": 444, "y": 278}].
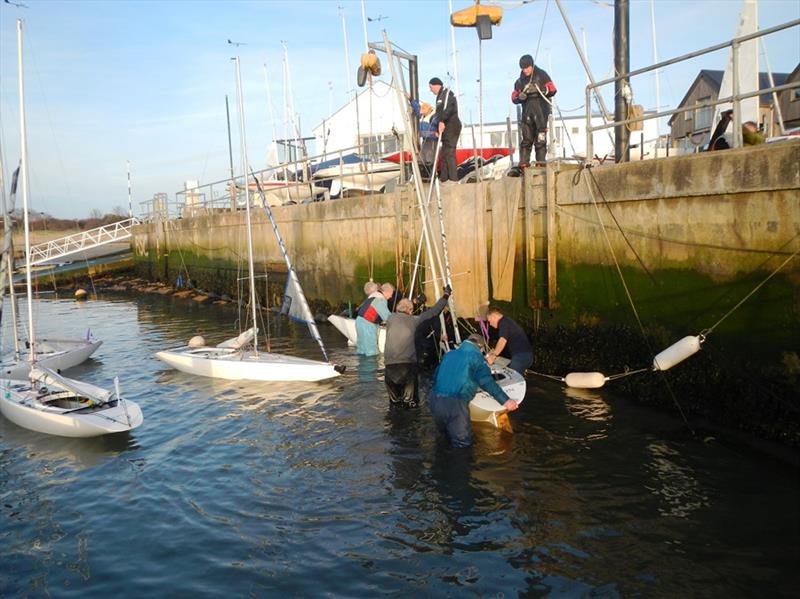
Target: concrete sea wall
[{"x": 604, "y": 266}]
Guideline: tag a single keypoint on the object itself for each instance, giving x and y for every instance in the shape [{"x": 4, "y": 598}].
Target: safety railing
[{"x": 735, "y": 98}]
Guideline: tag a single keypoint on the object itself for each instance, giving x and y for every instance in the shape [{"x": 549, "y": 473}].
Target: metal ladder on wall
[{"x": 539, "y": 243}]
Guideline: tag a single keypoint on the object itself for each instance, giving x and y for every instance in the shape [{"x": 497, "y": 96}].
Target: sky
[{"x": 144, "y": 82}]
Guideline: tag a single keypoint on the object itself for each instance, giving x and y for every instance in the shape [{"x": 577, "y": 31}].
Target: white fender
[
  {"x": 585, "y": 380},
  {"x": 677, "y": 352},
  {"x": 196, "y": 342}
]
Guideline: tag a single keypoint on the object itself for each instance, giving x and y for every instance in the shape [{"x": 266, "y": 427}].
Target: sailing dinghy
[
  {"x": 347, "y": 327},
  {"x": 485, "y": 408},
  {"x": 239, "y": 358},
  {"x": 48, "y": 402},
  {"x": 55, "y": 354},
  {"x": 56, "y": 405}
]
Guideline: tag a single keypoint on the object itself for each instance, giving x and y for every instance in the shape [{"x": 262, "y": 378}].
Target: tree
[{"x": 95, "y": 213}]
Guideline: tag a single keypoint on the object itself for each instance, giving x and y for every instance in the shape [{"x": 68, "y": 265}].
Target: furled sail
[{"x": 295, "y": 304}]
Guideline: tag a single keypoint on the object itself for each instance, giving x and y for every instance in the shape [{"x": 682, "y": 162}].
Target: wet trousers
[
  {"x": 451, "y": 416},
  {"x": 402, "y": 383},
  {"x": 521, "y": 362}
]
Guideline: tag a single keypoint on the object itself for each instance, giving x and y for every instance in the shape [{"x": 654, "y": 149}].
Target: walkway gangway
[{"x": 57, "y": 249}]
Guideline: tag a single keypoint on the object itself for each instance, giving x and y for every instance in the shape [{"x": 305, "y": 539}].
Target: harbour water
[{"x": 248, "y": 489}]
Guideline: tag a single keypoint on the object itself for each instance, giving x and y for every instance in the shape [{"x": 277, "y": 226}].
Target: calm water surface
[{"x": 252, "y": 489}]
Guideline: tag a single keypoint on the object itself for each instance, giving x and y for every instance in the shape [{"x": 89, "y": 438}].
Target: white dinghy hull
[
  {"x": 21, "y": 404},
  {"x": 235, "y": 365},
  {"x": 54, "y": 354},
  {"x": 485, "y": 408},
  {"x": 347, "y": 327}
]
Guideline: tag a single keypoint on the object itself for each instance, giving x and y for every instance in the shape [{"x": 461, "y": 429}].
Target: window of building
[
  {"x": 703, "y": 116},
  {"x": 375, "y": 145},
  {"x": 796, "y": 94},
  {"x": 575, "y": 130},
  {"x": 497, "y": 139}
]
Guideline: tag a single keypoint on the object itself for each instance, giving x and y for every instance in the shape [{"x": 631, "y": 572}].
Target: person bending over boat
[
  {"x": 371, "y": 314},
  {"x": 456, "y": 382},
  {"x": 449, "y": 128},
  {"x": 400, "y": 355},
  {"x": 512, "y": 341},
  {"x": 532, "y": 91}
]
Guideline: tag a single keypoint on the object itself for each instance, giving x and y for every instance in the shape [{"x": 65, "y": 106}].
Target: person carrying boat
[
  {"x": 449, "y": 127},
  {"x": 456, "y": 381},
  {"x": 512, "y": 341},
  {"x": 371, "y": 314},
  {"x": 400, "y": 354},
  {"x": 533, "y": 91}
]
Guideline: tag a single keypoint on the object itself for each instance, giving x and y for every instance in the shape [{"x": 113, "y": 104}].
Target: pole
[
  {"x": 658, "y": 71},
  {"x": 130, "y": 204},
  {"x": 23, "y": 177},
  {"x": 455, "y": 53},
  {"x": 243, "y": 142},
  {"x": 349, "y": 87},
  {"x": 775, "y": 101},
  {"x": 622, "y": 59}
]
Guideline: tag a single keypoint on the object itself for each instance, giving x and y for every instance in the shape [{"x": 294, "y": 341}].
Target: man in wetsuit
[
  {"x": 449, "y": 128},
  {"x": 533, "y": 91},
  {"x": 400, "y": 354},
  {"x": 456, "y": 382},
  {"x": 512, "y": 341}
]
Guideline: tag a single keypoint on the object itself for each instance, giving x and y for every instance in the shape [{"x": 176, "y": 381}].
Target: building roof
[{"x": 714, "y": 79}]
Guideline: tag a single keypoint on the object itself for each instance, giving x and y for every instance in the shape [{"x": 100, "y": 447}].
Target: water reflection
[{"x": 675, "y": 484}]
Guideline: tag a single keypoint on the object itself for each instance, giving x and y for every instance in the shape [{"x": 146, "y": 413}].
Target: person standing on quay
[
  {"x": 533, "y": 90},
  {"x": 371, "y": 314},
  {"x": 449, "y": 128},
  {"x": 512, "y": 340},
  {"x": 400, "y": 354},
  {"x": 456, "y": 382}
]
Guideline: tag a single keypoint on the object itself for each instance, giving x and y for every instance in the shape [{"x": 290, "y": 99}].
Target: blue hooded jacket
[{"x": 462, "y": 371}]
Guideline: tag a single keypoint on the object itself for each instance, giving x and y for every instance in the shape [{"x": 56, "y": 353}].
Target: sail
[{"x": 747, "y": 68}]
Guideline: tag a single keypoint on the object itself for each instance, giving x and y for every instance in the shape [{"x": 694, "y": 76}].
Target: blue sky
[{"x": 145, "y": 81}]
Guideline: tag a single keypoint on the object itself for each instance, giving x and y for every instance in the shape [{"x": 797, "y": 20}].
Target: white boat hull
[
  {"x": 55, "y": 354},
  {"x": 235, "y": 365},
  {"x": 364, "y": 176},
  {"x": 18, "y": 404},
  {"x": 347, "y": 327},
  {"x": 281, "y": 193},
  {"x": 485, "y": 408}
]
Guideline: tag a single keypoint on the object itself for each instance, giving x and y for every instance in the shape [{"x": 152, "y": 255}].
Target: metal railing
[
  {"x": 294, "y": 182},
  {"x": 735, "y": 98},
  {"x": 79, "y": 242}
]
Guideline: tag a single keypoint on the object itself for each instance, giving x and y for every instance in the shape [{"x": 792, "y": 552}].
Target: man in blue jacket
[{"x": 457, "y": 380}]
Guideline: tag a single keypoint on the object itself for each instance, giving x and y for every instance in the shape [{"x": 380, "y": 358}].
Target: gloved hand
[
  {"x": 522, "y": 96},
  {"x": 447, "y": 291},
  {"x": 420, "y": 300}
]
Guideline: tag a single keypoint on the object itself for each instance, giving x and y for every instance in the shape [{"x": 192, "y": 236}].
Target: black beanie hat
[
  {"x": 435, "y": 81},
  {"x": 526, "y": 61}
]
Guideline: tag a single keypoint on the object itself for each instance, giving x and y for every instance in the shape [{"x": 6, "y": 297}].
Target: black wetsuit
[
  {"x": 449, "y": 116},
  {"x": 532, "y": 94}
]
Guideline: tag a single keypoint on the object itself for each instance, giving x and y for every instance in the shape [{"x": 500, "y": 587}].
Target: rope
[
  {"x": 745, "y": 298},
  {"x": 541, "y": 31}
]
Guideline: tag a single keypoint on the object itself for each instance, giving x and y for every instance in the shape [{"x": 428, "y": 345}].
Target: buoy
[
  {"x": 585, "y": 380},
  {"x": 677, "y": 352},
  {"x": 197, "y": 341},
  {"x": 80, "y": 294}
]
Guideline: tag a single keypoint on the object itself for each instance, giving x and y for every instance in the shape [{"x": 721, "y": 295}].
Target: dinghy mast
[{"x": 243, "y": 142}]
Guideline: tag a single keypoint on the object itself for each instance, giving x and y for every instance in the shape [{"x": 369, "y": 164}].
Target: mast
[
  {"x": 243, "y": 141},
  {"x": 23, "y": 173},
  {"x": 8, "y": 261},
  {"x": 655, "y": 61},
  {"x": 130, "y": 204},
  {"x": 349, "y": 86},
  {"x": 622, "y": 60},
  {"x": 455, "y": 53}
]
